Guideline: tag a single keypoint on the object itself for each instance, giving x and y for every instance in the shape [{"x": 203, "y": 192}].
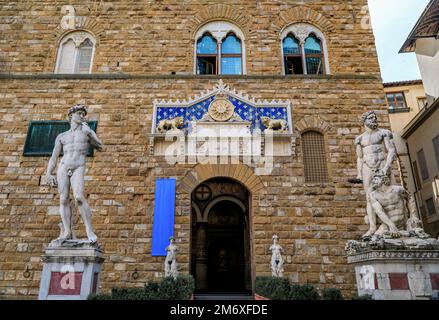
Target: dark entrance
[{"x": 220, "y": 260}]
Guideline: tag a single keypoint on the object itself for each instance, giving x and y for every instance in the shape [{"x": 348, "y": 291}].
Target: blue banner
[{"x": 163, "y": 225}]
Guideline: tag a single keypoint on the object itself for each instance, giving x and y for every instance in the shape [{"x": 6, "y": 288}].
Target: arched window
[
  {"x": 313, "y": 55},
  {"x": 292, "y": 55},
  {"x": 231, "y": 55},
  {"x": 207, "y": 55},
  {"x": 314, "y": 157},
  {"x": 220, "y": 49},
  {"x": 304, "y": 50},
  {"x": 75, "y": 53}
]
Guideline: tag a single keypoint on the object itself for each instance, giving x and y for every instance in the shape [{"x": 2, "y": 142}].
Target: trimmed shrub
[
  {"x": 167, "y": 289},
  {"x": 332, "y": 294},
  {"x": 180, "y": 288},
  {"x": 273, "y": 288},
  {"x": 304, "y": 292}
]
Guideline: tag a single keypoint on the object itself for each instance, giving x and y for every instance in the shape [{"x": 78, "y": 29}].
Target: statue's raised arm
[{"x": 94, "y": 140}]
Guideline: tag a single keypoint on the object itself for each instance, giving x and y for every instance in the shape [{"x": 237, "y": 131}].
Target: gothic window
[
  {"x": 314, "y": 157},
  {"x": 75, "y": 53},
  {"x": 207, "y": 55},
  {"x": 293, "y": 58},
  {"x": 304, "y": 50},
  {"x": 220, "y": 49},
  {"x": 313, "y": 55},
  {"x": 231, "y": 58}
]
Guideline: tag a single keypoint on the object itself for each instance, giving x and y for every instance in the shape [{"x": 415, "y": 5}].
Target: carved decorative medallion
[
  {"x": 221, "y": 109},
  {"x": 203, "y": 193}
]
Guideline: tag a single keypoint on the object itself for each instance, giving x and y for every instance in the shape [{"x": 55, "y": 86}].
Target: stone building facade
[{"x": 144, "y": 52}]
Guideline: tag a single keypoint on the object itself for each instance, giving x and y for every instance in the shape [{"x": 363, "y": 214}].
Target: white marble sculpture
[
  {"x": 171, "y": 269},
  {"x": 390, "y": 204},
  {"x": 391, "y": 210},
  {"x": 276, "y": 258},
  {"x": 74, "y": 143},
  {"x": 376, "y": 152}
]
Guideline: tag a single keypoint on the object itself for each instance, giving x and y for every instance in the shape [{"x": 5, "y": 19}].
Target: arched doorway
[{"x": 220, "y": 250}]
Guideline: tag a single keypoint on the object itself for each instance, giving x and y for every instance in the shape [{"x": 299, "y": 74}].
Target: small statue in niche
[
  {"x": 276, "y": 258},
  {"x": 171, "y": 269}
]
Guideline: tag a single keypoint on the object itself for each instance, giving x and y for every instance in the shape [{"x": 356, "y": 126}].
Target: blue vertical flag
[{"x": 163, "y": 225}]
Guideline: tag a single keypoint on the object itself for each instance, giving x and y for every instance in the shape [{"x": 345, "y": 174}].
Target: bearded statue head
[{"x": 370, "y": 120}]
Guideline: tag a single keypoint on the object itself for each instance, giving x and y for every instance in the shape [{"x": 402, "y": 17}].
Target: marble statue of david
[{"x": 70, "y": 174}]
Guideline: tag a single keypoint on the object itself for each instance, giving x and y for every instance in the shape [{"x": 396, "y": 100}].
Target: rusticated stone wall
[
  {"x": 140, "y": 45},
  {"x": 158, "y": 36},
  {"x": 313, "y": 221}
]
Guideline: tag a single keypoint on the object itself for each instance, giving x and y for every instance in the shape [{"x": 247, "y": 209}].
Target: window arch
[
  {"x": 292, "y": 51},
  {"x": 75, "y": 53},
  {"x": 219, "y": 49},
  {"x": 304, "y": 50},
  {"x": 207, "y": 55},
  {"x": 314, "y": 157}
]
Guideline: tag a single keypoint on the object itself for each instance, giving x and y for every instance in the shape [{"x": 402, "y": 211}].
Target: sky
[{"x": 392, "y": 22}]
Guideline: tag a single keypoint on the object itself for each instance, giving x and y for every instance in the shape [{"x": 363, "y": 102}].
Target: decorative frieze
[{"x": 393, "y": 255}]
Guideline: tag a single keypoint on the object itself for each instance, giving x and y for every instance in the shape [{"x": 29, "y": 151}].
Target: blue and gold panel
[
  {"x": 249, "y": 112},
  {"x": 170, "y": 113},
  {"x": 198, "y": 110},
  {"x": 246, "y": 111}
]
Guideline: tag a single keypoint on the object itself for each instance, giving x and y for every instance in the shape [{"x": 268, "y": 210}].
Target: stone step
[{"x": 223, "y": 296}]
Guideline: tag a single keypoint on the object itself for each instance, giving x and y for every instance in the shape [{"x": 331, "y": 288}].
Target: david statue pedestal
[
  {"x": 395, "y": 259},
  {"x": 72, "y": 266}
]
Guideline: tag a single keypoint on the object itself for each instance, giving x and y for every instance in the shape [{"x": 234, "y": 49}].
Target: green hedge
[
  {"x": 304, "y": 292},
  {"x": 281, "y": 289},
  {"x": 168, "y": 288},
  {"x": 273, "y": 288},
  {"x": 332, "y": 294},
  {"x": 181, "y": 288}
]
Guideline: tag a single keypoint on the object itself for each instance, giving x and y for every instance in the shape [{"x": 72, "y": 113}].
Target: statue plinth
[
  {"x": 70, "y": 272},
  {"x": 405, "y": 268}
]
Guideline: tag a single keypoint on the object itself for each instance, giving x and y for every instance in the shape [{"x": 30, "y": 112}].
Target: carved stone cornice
[{"x": 392, "y": 255}]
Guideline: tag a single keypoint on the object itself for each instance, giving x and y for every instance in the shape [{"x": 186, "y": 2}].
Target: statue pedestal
[
  {"x": 70, "y": 273},
  {"x": 388, "y": 273}
]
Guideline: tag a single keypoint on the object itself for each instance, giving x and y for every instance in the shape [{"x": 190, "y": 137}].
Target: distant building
[{"x": 422, "y": 133}]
